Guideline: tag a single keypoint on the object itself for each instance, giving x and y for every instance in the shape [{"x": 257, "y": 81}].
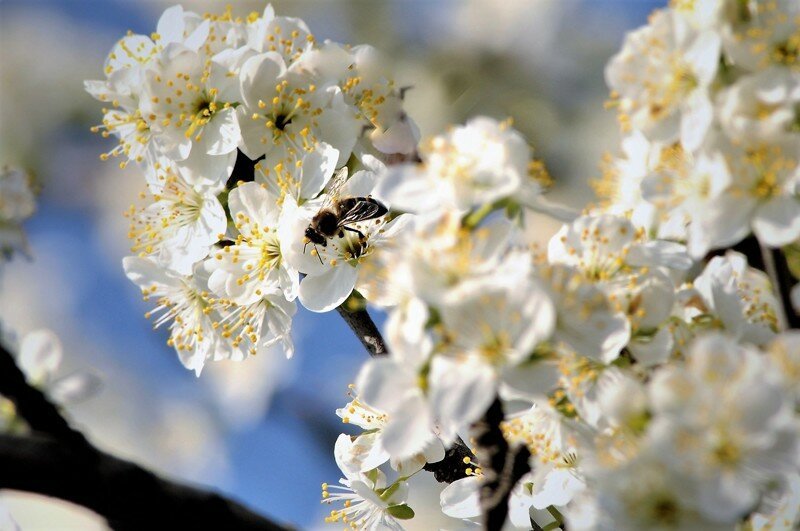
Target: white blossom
[
  {"x": 254, "y": 263},
  {"x": 367, "y": 501},
  {"x": 471, "y": 165},
  {"x": 183, "y": 302},
  {"x": 286, "y": 110},
  {"x": 333, "y": 270},
  {"x": 180, "y": 224},
  {"x": 366, "y": 452},
  {"x": 762, "y": 106},
  {"x": 39, "y": 357},
  {"x": 739, "y": 296},
  {"x": 763, "y": 34},
  {"x": 722, "y": 423},
  {"x": 662, "y": 76},
  {"x": 586, "y": 320}
]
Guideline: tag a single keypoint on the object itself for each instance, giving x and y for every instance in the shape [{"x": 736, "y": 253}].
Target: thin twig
[
  {"x": 128, "y": 496},
  {"x": 502, "y": 467},
  {"x": 365, "y": 330},
  {"x": 452, "y": 467}
]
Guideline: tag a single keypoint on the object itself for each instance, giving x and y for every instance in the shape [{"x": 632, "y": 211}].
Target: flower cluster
[
  {"x": 239, "y": 125},
  {"x": 587, "y": 334},
  {"x": 652, "y": 391},
  {"x": 708, "y": 94}
]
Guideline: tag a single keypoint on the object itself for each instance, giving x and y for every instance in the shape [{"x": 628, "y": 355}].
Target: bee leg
[
  {"x": 341, "y": 234},
  {"x": 360, "y": 234}
]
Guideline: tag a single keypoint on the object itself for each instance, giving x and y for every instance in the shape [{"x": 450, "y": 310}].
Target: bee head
[{"x": 314, "y": 236}]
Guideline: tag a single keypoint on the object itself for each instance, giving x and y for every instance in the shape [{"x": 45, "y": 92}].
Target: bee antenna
[
  {"x": 318, "y": 255},
  {"x": 304, "y": 247}
]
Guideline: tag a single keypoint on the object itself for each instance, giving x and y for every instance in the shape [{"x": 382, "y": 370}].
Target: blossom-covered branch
[{"x": 621, "y": 350}]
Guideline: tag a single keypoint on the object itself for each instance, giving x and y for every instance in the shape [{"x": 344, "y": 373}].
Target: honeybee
[{"x": 337, "y": 213}]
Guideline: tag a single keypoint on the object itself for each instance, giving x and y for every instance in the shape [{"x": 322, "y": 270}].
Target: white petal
[
  {"x": 726, "y": 223},
  {"x": 407, "y": 188},
  {"x": 695, "y": 120},
  {"x": 212, "y": 221},
  {"x": 529, "y": 380},
  {"x": 660, "y": 253},
  {"x": 171, "y": 25},
  {"x": 339, "y": 128},
  {"x": 461, "y": 498},
  {"x": 409, "y": 428},
  {"x": 222, "y": 134},
  {"x": 434, "y": 451},
  {"x": 145, "y": 273},
  {"x": 654, "y": 351},
  {"x": 39, "y": 355},
  {"x": 322, "y": 293},
  {"x": 318, "y": 167},
  {"x": 205, "y": 171},
  {"x": 704, "y": 56},
  {"x": 460, "y": 391},
  {"x": 400, "y": 137},
  {"x": 75, "y": 388},
  {"x": 560, "y": 486},
  {"x": 381, "y": 383},
  {"x": 259, "y": 76},
  {"x": 360, "y": 184},
  {"x": 198, "y": 36},
  {"x": 253, "y": 202},
  {"x": 777, "y": 222}
]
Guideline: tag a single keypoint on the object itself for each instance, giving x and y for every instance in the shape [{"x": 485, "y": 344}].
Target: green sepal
[{"x": 401, "y": 512}]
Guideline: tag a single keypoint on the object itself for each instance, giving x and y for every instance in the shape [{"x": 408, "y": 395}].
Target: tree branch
[
  {"x": 32, "y": 405},
  {"x": 67, "y": 466},
  {"x": 128, "y": 496},
  {"x": 452, "y": 467},
  {"x": 502, "y": 466},
  {"x": 365, "y": 330}
]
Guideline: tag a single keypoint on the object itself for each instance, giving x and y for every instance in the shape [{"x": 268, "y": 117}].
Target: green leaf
[{"x": 401, "y": 512}]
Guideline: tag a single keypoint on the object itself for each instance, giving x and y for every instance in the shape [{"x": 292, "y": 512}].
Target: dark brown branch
[
  {"x": 128, "y": 496},
  {"x": 365, "y": 330},
  {"x": 32, "y": 405},
  {"x": 67, "y": 466},
  {"x": 452, "y": 467},
  {"x": 502, "y": 466}
]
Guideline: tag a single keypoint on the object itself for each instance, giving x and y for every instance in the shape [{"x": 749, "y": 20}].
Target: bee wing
[
  {"x": 335, "y": 187},
  {"x": 362, "y": 211}
]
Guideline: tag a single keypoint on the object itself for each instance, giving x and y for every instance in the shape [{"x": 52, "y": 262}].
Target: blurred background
[{"x": 261, "y": 431}]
